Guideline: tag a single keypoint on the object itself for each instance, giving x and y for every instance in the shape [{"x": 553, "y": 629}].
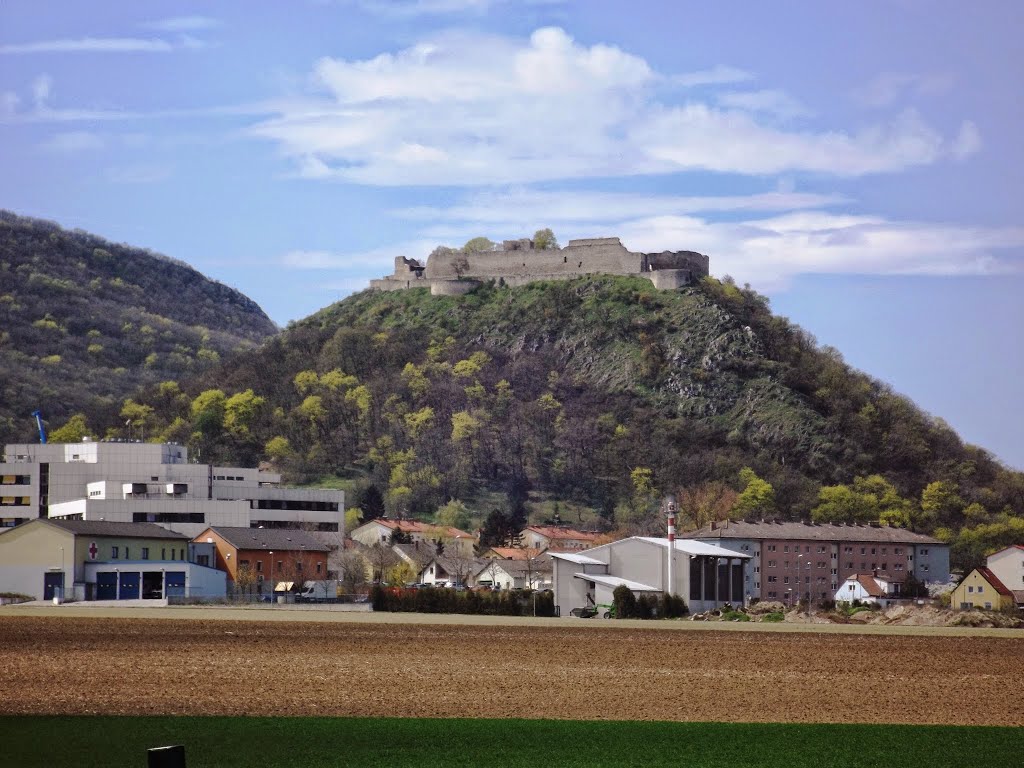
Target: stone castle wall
[{"x": 518, "y": 263}]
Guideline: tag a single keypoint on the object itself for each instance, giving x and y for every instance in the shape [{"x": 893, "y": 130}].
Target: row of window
[
  {"x": 176, "y": 554},
  {"x": 16, "y": 501},
  {"x": 280, "y": 566},
  {"x": 807, "y": 564}
]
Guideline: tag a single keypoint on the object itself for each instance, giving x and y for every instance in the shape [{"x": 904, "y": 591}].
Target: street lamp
[
  {"x": 271, "y": 577},
  {"x": 63, "y": 577}
]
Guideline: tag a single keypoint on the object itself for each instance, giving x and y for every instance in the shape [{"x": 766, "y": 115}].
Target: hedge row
[
  {"x": 432, "y": 600},
  {"x": 629, "y": 606}
]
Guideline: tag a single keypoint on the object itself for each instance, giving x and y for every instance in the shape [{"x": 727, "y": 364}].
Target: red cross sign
[{"x": 93, "y": 550}]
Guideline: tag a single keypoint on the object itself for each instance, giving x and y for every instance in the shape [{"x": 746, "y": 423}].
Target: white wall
[{"x": 1008, "y": 566}]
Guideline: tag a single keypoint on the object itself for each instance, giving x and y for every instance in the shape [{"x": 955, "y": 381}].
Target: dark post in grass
[{"x": 166, "y": 757}]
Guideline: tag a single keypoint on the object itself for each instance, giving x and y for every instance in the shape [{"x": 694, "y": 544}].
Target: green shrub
[
  {"x": 625, "y": 602},
  {"x": 773, "y": 617}
]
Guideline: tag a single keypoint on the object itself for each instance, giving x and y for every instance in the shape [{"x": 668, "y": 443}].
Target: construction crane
[{"x": 39, "y": 423}]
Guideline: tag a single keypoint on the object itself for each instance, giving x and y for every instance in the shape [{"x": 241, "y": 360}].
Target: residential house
[
  {"x": 557, "y": 538},
  {"x": 983, "y": 589},
  {"x": 382, "y": 530},
  {"x": 512, "y": 553},
  {"x": 254, "y": 556},
  {"x": 496, "y": 573},
  {"x": 813, "y": 559},
  {"x": 449, "y": 570},
  {"x": 876, "y": 589},
  {"x": 1008, "y": 566}
]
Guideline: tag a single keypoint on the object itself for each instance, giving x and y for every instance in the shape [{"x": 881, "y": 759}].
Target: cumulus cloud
[
  {"x": 471, "y": 109},
  {"x": 968, "y": 141}
]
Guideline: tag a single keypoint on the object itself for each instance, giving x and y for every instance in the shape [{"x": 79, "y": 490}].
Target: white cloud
[
  {"x": 468, "y": 109},
  {"x": 72, "y": 142},
  {"x": 968, "y": 142},
  {"x": 772, "y": 102},
  {"x": 889, "y": 88},
  {"x": 91, "y": 45},
  {"x": 411, "y": 8},
  {"x": 42, "y": 87},
  {"x": 183, "y": 24}
]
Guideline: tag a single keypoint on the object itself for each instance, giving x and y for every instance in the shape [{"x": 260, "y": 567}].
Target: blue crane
[{"x": 42, "y": 429}]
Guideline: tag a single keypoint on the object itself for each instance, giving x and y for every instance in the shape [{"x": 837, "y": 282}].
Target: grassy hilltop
[
  {"x": 85, "y": 322},
  {"x": 588, "y": 398}
]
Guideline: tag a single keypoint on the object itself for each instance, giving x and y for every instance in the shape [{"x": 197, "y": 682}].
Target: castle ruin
[{"x": 517, "y": 262}]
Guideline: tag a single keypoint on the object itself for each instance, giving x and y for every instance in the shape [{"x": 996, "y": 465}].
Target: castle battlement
[{"x": 518, "y": 262}]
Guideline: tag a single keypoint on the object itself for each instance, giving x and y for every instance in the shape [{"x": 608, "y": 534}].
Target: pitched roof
[
  {"x": 104, "y": 528},
  {"x": 795, "y": 530},
  {"x": 992, "y": 579},
  {"x": 421, "y": 555},
  {"x": 415, "y": 526},
  {"x": 872, "y": 587},
  {"x": 558, "y": 532},
  {"x": 282, "y": 539},
  {"x": 515, "y": 553},
  {"x": 516, "y": 568},
  {"x": 692, "y": 547}
]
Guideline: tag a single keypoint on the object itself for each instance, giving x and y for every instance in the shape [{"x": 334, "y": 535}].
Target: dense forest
[
  {"x": 585, "y": 401},
  {"x": 85, "y": 322}
]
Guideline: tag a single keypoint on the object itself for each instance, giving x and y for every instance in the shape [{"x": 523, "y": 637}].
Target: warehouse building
[{"x": 705, "y": 575}]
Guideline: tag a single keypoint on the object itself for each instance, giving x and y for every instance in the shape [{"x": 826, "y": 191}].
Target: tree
[
  {"x": 941, "y": 503},
  {"x": 381, "y": 558},
  {"x": 544, "y": 239},
  {"x": 499, "y": 530},
  {"x": 72, "y": 432},
  {"x": 478, "y": 244},
  {"x": 351, "y": 571},
  {"x": 757, "y": 496},
  {"x": 245, "y": 579},
  {"x": 454, "y": 514}
]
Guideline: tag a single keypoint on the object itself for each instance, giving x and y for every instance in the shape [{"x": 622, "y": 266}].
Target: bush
[
  {"x": 731, "y": 615},
  {"x": 625, "y": 602},
  {"x": 646, "y": 607},
  {"x": 773, "y": 617},
  {"x": 672, "y": 607}
]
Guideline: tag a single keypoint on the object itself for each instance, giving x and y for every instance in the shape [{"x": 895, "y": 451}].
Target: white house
[
  {"x": 1008, "y": 566},
  {"x": 705, "y": 575},
  {"x": 877, "y": 589},
  {"x": 557, "y": 538},
  {"x": 514, "y": 574},
  {"x": 381, "y": 531}
]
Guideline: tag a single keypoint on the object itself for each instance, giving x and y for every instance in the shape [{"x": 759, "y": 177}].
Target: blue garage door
[
  {"x": 106, "y": 586},
  {"x": 175, "y": 584},
  {"x": 131, "y": 582}
]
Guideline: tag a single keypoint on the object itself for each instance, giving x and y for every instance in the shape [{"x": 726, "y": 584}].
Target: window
[
  {"x": 182, "y": 554},
  {"x": 872, "y": 550},
  {"x": 848, "y": 550},
  {"x": 172, "y": 553},
  {"x": 980, "y": 589},
  {"x": 771, "y": 547},
  {"x": 163, "y": 553},
  {"x": 259, "y": 566},
  {"x": 145, "y": 553},
  {"x": 862, "y": 551},
  {"x": 786, "y": 548},
  {"x": 924, "y": 551},
  {"x": 203, "y": 560},
  {"x": 114, "y": 553},
  {"x": 851, "y": 587},
  {"x": 773, "y": 579},
  {"x": 885, "y": 566},
  {"x": 898, "y": 551},
  {"x": 772, "y": 594},
  {"x": 298, "y": 566},
  {"x": 318, "y": 567},
  {"x": 807, "y": 548},
  {"x": 988, "y": 606},
  {"x": 835, "y": 571},
  {"x": 821, "y": 550},
  {"x": 126, "y": 555},
  {"x": 785, "y": 580},
  {"x": 757, "y": 569},
  {"x": 899, "y": 566},
  {"x": 771, "y": 563},
  {"x": 883, "y": 550},
  {"x": 849, "y": 565}
]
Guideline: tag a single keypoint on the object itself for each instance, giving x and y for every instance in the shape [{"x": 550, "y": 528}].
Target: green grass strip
[{"x": 309, "y": 742}]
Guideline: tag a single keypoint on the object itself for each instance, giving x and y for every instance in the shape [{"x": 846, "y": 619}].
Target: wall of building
[
  {"x": 1008, "y": 566},
  {"x": 931, "y": 562},
  {"x": 30, "y": 551}
]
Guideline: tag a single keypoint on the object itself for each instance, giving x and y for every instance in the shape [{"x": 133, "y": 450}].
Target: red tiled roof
[
  {"x": 872, "y": 587},
  {"x": 555, "y": 532},
  {"x": 992, "y": 579}
]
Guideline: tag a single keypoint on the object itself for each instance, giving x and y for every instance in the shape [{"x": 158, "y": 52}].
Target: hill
[
  {"x": 85, "y": 322},
  {"x": 588, "y": 399}
]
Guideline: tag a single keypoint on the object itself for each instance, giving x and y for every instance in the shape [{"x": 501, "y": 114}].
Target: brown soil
[{"x": 141, "y": 666}]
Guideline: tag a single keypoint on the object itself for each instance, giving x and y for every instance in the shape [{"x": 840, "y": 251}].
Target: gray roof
[
  {"x": 421, "y": 555},
  {"x": 101, "y": 528},
  {"x": 517, "y": 568},
  {"x": 767, "y": 529},
  {"x": 282, "y": 539}
]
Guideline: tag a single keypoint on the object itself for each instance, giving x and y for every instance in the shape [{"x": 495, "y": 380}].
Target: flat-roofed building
[{"x": 155, "y": 483}]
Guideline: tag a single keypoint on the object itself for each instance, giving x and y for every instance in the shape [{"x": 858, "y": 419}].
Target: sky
[{"x": 859, "y": 164}]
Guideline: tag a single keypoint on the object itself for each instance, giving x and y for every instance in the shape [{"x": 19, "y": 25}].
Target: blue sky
[{"x": 862, "y": 166}]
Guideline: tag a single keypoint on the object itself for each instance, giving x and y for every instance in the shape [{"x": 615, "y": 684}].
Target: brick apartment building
[{"x": 794, "y": 561}]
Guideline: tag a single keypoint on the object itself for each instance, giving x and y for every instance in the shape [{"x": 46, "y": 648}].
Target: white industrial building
[
  {"x": 117, "y": 481},
  {"x": 704, "y": 575}
]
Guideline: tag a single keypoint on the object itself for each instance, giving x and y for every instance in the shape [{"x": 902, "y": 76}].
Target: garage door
[
  {"x": 175, "y": 584},
  {"x": 106, "y": 586},
  {"x": 131, "y": 583}
]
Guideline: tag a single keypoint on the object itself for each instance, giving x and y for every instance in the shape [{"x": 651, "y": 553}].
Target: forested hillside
[
  {"x": 84, "y": 322},
  {"x": 590, "y": 399}
]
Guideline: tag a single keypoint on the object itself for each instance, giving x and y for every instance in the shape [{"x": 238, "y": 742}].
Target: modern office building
[{"x": 153, "y": 483}]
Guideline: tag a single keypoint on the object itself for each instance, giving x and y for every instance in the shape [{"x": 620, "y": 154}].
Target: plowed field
[{"x": 168, "y": 667}]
